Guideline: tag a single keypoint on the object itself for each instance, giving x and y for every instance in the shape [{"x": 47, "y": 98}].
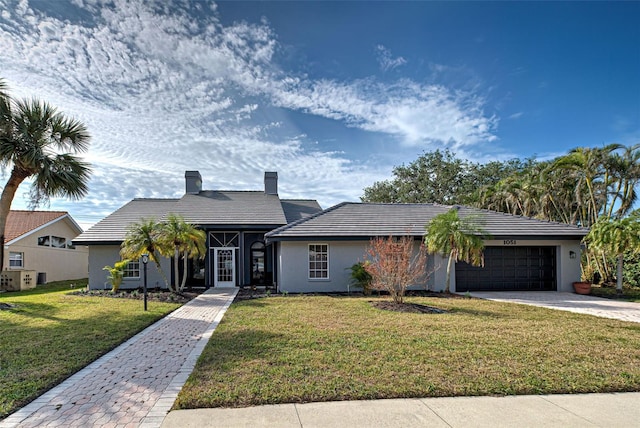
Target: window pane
[
  {"x": 44, "y": 241},
  {"x": 132, "y": 270},
  {"x": 318, "y": 261},
  {"x": 58, "y": 242},
  {"x": 15, "y": 260}
]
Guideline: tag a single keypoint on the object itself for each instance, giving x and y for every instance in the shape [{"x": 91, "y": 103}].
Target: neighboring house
[
  {"x": 41, "y": 241},
  {"x": 314, "y": 254},
  {"x": 235, "y": 223}
]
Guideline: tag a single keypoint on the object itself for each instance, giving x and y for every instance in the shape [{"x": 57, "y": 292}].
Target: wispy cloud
[
  {"x": 166, "y": 87},
  {"x": 386, "y": 60},
  {"x": 416, "y": 114}
]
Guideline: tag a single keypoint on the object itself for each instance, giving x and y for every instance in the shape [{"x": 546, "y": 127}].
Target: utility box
[{"x": 16, "y": 280}]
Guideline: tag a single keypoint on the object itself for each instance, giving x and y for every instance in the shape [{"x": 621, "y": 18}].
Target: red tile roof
[{"x": 21, "y": 222}]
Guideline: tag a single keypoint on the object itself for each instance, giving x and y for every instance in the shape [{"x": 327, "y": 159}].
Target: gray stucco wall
[
  {"x": 293, "y": 262},
  {"x": 103, "y": 255},
  {"x": 292, "y": 265}
]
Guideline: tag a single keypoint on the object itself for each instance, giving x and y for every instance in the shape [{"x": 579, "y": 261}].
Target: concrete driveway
[{"x": 597, "y": 306}]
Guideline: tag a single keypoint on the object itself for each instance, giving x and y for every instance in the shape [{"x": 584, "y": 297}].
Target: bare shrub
[{"x": 394, "y": 265}]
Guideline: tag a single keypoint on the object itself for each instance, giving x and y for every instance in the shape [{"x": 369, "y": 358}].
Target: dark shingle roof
[
  {"x": 113, "y": 228},
  {"x": 297, "y": 209},
  {"x": 363, "y": 220},
  {"x": 231, "y": 208},
  {"x": 207, "y": 208}
]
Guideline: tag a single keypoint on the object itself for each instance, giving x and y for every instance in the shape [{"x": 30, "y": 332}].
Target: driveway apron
[
  {"x": 136, "y": 384},
  {"x": 597, "y": 306}
]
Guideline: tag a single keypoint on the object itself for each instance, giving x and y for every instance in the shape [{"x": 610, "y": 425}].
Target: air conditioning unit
[{"x": 16, "y": 280}]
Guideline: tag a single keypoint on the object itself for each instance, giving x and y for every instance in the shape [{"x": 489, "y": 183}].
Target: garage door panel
[{"x": 510, "y": 269}]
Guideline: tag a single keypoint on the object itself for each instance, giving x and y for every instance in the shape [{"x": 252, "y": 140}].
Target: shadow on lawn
[
  {"x": 36, "y": 311},
  {"x": 480, "y": 313},
  {"x": 228, "y": 349}
]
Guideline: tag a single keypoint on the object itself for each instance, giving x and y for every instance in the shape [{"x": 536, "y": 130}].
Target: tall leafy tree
[
  {"x": 615, "y": 237},
  {"x": 459, "y": 238},
  {"x": 144, "y": 238},
  {"x": 39, "y": 143},
  {"x": 441, "y": 177}
]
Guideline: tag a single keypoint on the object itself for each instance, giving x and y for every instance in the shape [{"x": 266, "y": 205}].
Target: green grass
[
  {"x": 50, "y": 335},
  {"x": 629, "y": 294},
  {"x": 321, "y": 348}
]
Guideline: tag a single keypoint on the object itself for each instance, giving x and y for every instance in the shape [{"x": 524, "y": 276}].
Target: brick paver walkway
[
  {"x": 600, "y": 307},
  {"x": 136, "y": 384}
]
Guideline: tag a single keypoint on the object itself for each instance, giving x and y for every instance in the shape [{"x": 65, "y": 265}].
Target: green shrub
[
  {"x": 360, "y": 278},
  {"x": 631, "y": 271}
]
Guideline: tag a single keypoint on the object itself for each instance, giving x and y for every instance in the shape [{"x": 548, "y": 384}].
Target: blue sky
[{"x": 331, "y": 95}]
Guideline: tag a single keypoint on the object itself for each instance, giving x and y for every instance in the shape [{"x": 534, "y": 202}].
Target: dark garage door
[{"x": 510, "y": 269}]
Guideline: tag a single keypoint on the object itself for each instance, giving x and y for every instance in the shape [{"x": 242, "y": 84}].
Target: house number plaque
[{"x": 509, "y": 242}]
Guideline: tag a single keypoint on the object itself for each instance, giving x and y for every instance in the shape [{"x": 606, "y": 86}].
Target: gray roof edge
[
  {"x": 305, "y": 219},
  {"x": 96, "y": 242},
  {"x": 482, "y": 210},
  {"x": 579, "y": 231}
]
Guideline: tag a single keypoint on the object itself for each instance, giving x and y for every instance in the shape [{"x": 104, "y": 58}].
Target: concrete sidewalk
[
  {"x": 579, "y": 303},
  {"x": 136, "y": 384},
  {"x": 581, "y": 410}
]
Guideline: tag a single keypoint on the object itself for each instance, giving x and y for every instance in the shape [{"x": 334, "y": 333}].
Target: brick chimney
[
  {"x": 193, "y": 181},
  {"x": 271, "y": 183}
]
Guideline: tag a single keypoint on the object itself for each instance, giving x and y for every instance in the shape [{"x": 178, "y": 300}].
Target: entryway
[{"x": 224, "y": 272}]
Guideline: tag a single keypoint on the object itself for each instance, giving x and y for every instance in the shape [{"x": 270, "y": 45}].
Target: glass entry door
[{"x": 224, "y": 272}]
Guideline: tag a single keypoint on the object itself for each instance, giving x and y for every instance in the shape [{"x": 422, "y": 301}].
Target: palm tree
[
  {"x": 624, "y": 172},
  {"x": 589, "y": 167},
  {"x": 616, "y": 236},
  {"x": 38, "y": 142},
  {"x": 181, "y": 238},
  {"x": 195, "y": 246},
  {"x": 458, "y": 237},
  {"x": 144, "y": 238}
]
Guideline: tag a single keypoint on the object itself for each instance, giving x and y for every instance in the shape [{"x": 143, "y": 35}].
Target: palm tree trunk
[
  {"x": 159, "y": 268},
  {"x": 619, "y": 274},
  {"x": 449, "y": 264},
  {"x": 184, "y": 272},
  {"x": 17, "y": 176},
  {"x": 176, "y": 272}
]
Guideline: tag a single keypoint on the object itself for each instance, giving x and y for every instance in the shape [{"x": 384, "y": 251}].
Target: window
[
  {"x": 58, "y": 242},
  {"x": 132, "y": 270},
  {"x": 318, "y": 261},
  {"x": 16, "y": 260},
  {"x": 55, "y": 242}
]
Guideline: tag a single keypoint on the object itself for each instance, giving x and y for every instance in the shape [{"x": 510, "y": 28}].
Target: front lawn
[
  {"x": 629, "y": 294},
  {"x": 50, "y": 334},
  {"x": 321, "y": 348}
]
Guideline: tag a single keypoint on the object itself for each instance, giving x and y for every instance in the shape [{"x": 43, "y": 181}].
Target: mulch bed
[
  {"x": 414, "y": 308},
  {"x": 247, "y": 293},
  {"x": 152, "y": 296}
]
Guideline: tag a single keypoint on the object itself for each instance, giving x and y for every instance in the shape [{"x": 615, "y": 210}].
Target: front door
[{"x": 224, "y": 272}]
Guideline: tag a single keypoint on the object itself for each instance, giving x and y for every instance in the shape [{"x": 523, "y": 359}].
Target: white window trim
[
  {"x": 21, "y": 260},
  {"x": 132, "y": 278},
  {"x": 327, "y": 278}
]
